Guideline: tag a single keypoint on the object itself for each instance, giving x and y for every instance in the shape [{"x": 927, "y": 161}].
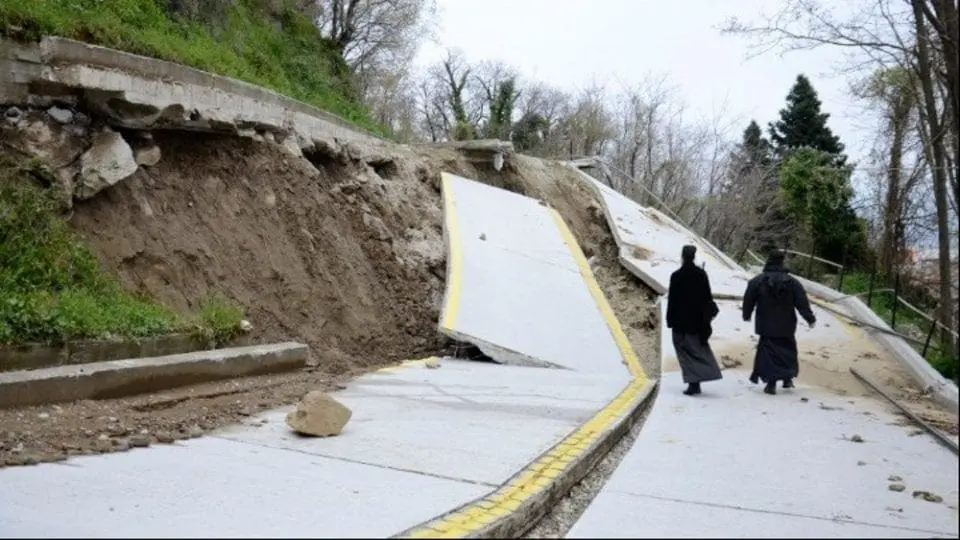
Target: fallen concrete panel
[
  {"x": 515, "y": 288},
  {"x": 944, "y": 390},
  {"x": 650, "y": 243},
  {"x": 117, "y": 378},
  {"x": 737, "y": 456}
]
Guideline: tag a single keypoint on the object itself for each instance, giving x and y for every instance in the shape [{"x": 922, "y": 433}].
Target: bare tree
[{"x": 919, "y": 35}]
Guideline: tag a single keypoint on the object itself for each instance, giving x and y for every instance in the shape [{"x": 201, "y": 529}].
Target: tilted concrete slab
[
  {"x": 736, "y": 463},
  {"x": 514, "y": 287},
  {"x": 650, "y": 244},
  {"x": 434, "y": 421},
  {"x": 421, "y": 442}
]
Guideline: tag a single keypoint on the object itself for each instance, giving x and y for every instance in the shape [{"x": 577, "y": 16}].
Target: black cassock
[{"x": 690, "y": 310}]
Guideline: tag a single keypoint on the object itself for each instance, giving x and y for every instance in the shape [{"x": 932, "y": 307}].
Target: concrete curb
[
  {"x": 119, "y": 378},
  {"x": 526, "y": 497}
]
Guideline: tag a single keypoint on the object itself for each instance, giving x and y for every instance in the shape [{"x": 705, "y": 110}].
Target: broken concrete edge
[
  {"x": 517, "y": 505},
  {"x": 943, "y": 390},
  {"x": 120, "y": 378},
  {"x": 501, "y": 355},
  {"x": 451, "y": 238},
  {"x": 30, "y": 356},
  {"x": 58, "y": 51}
]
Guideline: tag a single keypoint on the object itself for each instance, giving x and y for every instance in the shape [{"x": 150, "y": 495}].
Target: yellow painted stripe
[
  {"x": 629, "y": 356},
  {"x": 541, "y": 473},
  {"x": 455, "y": 254}
]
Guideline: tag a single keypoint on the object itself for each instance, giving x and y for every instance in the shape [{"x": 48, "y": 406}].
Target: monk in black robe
[
  {"x": 777, "y": 296},
  {"x": 690, "y": 310}
]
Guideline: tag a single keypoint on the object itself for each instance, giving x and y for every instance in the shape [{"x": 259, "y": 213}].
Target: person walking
[
  {"x": 690, "y": 309},
  {"x": 777, "y": 297}
]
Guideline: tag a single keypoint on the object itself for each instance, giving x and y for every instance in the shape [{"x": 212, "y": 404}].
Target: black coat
[
  {"x": 690, "y": 305},
  {"x": 777, "y": 297}
]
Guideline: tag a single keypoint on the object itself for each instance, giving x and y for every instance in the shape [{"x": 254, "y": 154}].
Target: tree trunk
[{"x": 925, "y": 73}]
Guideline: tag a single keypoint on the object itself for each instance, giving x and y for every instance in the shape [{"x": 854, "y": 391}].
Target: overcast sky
[{"x": 564, "y": 43}]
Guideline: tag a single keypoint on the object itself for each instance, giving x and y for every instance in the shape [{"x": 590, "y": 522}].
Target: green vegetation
[
  {"x": 882, "y": 304},
  {"x": 51, "y": 285},
  {"x": 242, "y": 42}
]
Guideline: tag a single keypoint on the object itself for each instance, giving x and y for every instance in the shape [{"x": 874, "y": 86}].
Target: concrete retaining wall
[
  {"x": 145, "y": 93},
  {"x": 118, "y": 378}
]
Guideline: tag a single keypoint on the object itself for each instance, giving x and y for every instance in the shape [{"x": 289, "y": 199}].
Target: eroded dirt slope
[{"x": 341, "y": 249}]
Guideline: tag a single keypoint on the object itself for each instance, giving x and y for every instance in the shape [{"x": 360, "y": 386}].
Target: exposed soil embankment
[{"x": 341, "y": 249}]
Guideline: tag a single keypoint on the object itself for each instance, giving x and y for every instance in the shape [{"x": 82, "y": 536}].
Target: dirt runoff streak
[{"x": 517, "y": 505}]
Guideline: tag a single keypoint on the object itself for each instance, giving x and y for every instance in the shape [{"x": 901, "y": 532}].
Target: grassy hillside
[
  {"x": 264, "y": 42},
  {"x": 51, "y": 285}
]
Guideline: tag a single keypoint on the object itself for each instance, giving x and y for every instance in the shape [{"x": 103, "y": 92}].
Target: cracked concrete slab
[
  {"x": 435, "y": 420},
  {"x": 514, "y": 287},
  {"x": 420, "y": 443}
]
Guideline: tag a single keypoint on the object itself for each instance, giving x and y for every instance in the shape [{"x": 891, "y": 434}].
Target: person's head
[
  {"x": 688, "y": 253},
  {"x": 776, "y": 257}
]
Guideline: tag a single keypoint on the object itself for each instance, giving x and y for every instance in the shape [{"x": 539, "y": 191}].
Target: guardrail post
[
  {"x": 926, "y": 344},
  {"x": 873, "y": 276},
  {"x": 896, "y": 302},
  {"x": 810, "y": 264},
  {"x": 843, "y": 267}
]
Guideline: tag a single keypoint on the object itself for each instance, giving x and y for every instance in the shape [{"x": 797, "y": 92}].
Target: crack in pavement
[
  {"x": 781, "y": 513},
  {"x": 359, "y": 462}
]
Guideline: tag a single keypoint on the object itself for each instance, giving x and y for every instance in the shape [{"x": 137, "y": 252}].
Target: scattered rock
[
  {"x": 64, "y": 116},
  {"x": 104, "y": 445},
  {"x": 803, "y": 399},
  {"x": 729, "y": 362},
  {"x": 432, "y": 363},
  {"x": 856, "y": 438},
  {"x": 483, "y": 236},
  {"x": 895, "y": 478},
  {"x": 826, "y": 407},
  {"x": 927, "y": 496},
  {"x": 319, "y": 415},
  {"x": 148, "y": 155},
  {"x": 245, "y": 326},
  {"x": 121, "y": 445},
  {"x": 43, "y": 416},
  {"x": 164, "y": 438},
  {"x": 13, "y": 115},
  {"x": 915, "y": 432},
  {"x": 896, "y": 487},
  {"x": 108, "y": 161},
  {"x": 861, "y": 463},
  {"x": 140, "y": 441}
]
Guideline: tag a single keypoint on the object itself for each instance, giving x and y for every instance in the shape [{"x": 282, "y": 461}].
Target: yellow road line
[
  {"x": 629, "y": 356},
  {"x": 540, "y": 474},
  {"x": 454, "y": 252}
]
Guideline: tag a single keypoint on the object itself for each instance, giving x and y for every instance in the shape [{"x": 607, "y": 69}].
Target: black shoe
[
  {"x": 754, "y": 379},
  {"x": 692, "y": 389},
  {"x": 771, "y": 388},
  {"x": 788, "y": 383}
]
